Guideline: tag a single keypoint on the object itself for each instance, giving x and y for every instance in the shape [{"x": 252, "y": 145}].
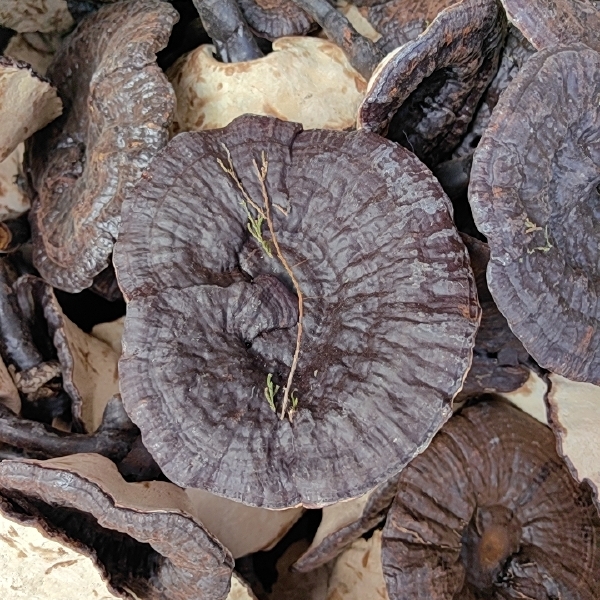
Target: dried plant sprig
[
  {"x": 271, "y": 390},
  {"x": 265, "y": 213}
]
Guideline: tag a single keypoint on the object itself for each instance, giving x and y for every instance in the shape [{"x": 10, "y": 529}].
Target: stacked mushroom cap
[{"x": 389, "y": 304}]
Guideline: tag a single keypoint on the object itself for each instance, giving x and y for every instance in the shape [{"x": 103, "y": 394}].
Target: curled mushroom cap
[
  {"x": 36, "y": 15},
  {"x": 424, "y": 94},
  {"x": 27, "y": 103},
  {"x": 119, "y": 106},
  {"x": 489, "y": 510},
  {"x": 534, "y": 194},
  {"x": 274, "y": 19},
  {"x": 547, "y": 23},
  {"x": 389, "y": 311},
  {"x": 141, "y": 535},
  {"x": 306, "y": 80}
]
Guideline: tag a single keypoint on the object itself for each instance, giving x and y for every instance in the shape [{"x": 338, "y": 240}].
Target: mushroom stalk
[
  {"x": 362, "y": 53},
  {"x": 224, "y": 23},
  {"x": 16, "y": 340}
]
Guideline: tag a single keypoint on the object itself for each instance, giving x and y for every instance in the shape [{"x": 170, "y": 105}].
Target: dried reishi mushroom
[
  {"x": 344, "y": 523},
  {"x": 27, "y": 103},
  {"x": 424, "y": 94},
  {"x": 9, "y": 395},
  {"x": 357, "y": 573},
  {"x": 535, "y": 195},
  {"x": 118, "y": 107},
  {"x": 36, "y": 15},
  {"x": 272, "y": 19},
  {"x": 574, "y": 410},
  {"x": 145, "y": 542},
  {"x": 530, "y": 397},
  {"x": 13, "y": 200},
  {"x": 306, "y": 80},
  {"x": 365, "y": 303},
  {"x": 489, "y": 510},
  {"x": 36, "y": 49},
  {"x": 547, "y": 23}
]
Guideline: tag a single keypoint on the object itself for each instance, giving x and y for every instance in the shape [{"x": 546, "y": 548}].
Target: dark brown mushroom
[
  {"x": 547, "y": 23},
  {"x": 387, "y": 313},
  {"x": 535, "y": 195},
  {"x": 424, "y": 94},
  {"x": 489, "y": 510},
  {"x": 272, "y": 19},
  {"x": 144, "y": 540},
  {"x": 119, "y": 106}
]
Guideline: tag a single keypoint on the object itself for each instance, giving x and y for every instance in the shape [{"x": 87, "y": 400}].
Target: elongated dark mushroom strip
[
  {"x": 535, "y": 195},
  {"x": 272, "y": 19},
  {"x": 16, "y": 341},
  {"x": 224, "y": 23},
  {"x": 114, "y": 438},
  {"x": 425, "y": 93},
  {"x": 547, "y": 23},
  {"x": 489, "y": 510},
  {"x": 162, "y": 552},
  {"x": 362, "y": 53}
]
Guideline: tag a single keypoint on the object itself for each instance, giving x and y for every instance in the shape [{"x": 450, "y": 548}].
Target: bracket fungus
[
  {"x": 547, "y": 23},
  {"x": 424, "y": 94},
  {"x": 489, "y": 510},
  {"x": 118, "y": 108},
  {"x": 145, "y": 542},
  {"x": 274, "y": 272},
  {"x": 305, "y": 80},
  {"x": 535, "y": 195},
  {"x": 27, "y": 103},
  {"x": 272, "y": 19}
]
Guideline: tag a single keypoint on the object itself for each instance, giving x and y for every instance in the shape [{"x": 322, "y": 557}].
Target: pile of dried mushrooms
[{"x": 300, "y": 299}]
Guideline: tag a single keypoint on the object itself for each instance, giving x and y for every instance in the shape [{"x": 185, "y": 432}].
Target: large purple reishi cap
[
  {"x": 535, "y": 195},
  {"x": 548, "y": 23},
  {"x": 389, "y": 301},
  {"x": 424, "y": 94},
  {"x": 118, "y": 106},
  {"x": 490, "y": 511}
]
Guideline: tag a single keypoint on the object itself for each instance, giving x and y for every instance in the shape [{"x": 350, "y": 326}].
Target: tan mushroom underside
[
  {"x": 531, "y": 397},
  {"x": 26, "y": 105},
  {"x": 13, "y": 202},
  {"x": 575, "y": 417},
  {"x": 37, "y": 49},
  {"x": 111, "y": 333},
  {"x": 9, "y": 395},
  {"x": 304, "y": 79},
  {"x": 36, "y": 15},
  {"x": 357, "y": 573},
  {"x": 357, "y": 20}
]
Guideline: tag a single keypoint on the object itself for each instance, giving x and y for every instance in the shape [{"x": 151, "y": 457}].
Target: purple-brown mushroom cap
[
  {"x": 118, "y": 107},
  {"x": 390, "y": 312},
  {"x": 273, "y": 19},
  {"x": 535, "y": 195},
  {"x": 424, "y": 94},
  {"x": 490, "y": 511}
]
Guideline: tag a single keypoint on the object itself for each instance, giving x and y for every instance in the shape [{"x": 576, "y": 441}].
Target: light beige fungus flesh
[
  {"x": 36, "y": 15},
  {"x": 531, "y": 397},
  {"x": 27, "y": 103},
  {"x": 304, "y": 79},
  {"x": 574, "y": 410},
  {"x": 13, "y": 200}
]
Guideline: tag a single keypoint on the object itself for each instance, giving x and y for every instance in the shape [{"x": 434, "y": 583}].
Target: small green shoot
[
  {"x": 294, "y": 402},
  {"x": 271, "y": 391}
]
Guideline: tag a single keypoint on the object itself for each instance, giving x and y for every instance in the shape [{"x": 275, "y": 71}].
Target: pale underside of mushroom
[
  {"x": 37, "y": 49},
  {"x": 27, "y": 103},
  {"x": 304, "y": 79},
  {"x": 530, "y": 397},
  {"x": 36, "y": 15},
  {"x": 574, "y": 409},
  {"x": 13, "y": 201}
]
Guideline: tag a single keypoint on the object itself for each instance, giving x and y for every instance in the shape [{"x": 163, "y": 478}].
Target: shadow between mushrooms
[
  {"x": 490, "y": 511},
  {"x": 145, "y": 544},
  {"x": 118, "y": 107},
  {"x": 535, "y": 195},
  {"x": 363, "y": 316}
]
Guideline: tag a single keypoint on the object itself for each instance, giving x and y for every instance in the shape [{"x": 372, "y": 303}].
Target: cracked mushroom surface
[
  {"x": 118, "y": 108},
  {"x": 272, "y": 19},
  {"x": 27, "y": 103},
  {"x": 212, "y": 340},
  {"x": 144, "y": 541},
  {"x": 424, "y": 94},
  {"x": 547, "y": 23},
  {"x": 489, "y": 510},
  {"x": 535, "y": 195}
]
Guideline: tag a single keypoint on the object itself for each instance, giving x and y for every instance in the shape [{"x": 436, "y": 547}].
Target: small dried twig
[
  {"x": 264, "y": 213},
  {"x": 271, "y": 391},
  {"x": 530, "y": 228}
]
